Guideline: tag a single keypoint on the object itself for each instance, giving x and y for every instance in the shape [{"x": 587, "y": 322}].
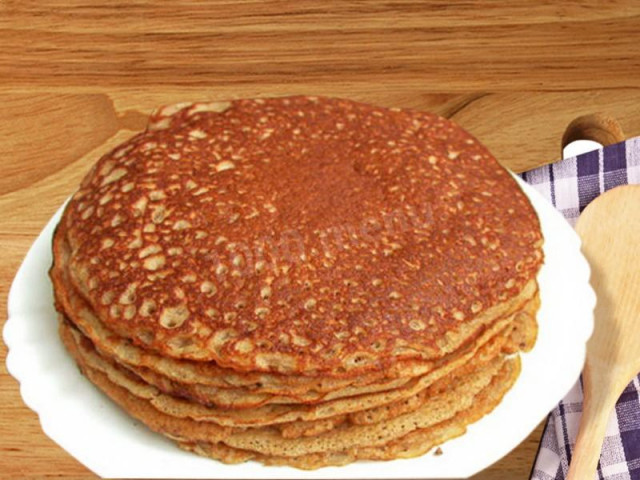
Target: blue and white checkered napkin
[{"x": 570, "y": 185}]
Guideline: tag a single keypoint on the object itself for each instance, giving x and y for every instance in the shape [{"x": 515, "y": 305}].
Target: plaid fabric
[{"x": 570, "y": 185}]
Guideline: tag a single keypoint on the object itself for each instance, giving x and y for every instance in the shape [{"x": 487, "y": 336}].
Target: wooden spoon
[{"x": 609, "y": 228}]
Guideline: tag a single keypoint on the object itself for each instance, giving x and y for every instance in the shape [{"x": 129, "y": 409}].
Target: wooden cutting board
[{"x": 78, "y": 77}]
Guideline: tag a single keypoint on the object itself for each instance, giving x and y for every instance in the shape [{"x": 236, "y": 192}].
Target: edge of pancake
[
  {"x": 288, "y": 413},
  {"x": 412, "y": 445},
  {"x": 92, "y": 327},
  {"x": 269, "y": 441}
]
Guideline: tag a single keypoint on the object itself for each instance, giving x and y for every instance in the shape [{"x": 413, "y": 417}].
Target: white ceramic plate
[{"x": 95, "y": 431}]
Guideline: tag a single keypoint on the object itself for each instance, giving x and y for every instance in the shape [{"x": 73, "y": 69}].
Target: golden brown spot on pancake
[
  {"x": 300, "y": 341},
  {"x": 115, "y": 175},
  {"x": 243, "y": 346},
  {"x": 87, "y": 212},
  {"x": 107, "y": 243},
  {"x": 173, "y": 317},
  {"x": 225, "y": 165},
  {"x": 159, "y": 214},
  {"x": 157, "y": 195},
  {"x": 122, "y": 151},
  {"x": 117, "y": 220},
  {"x": 107, "y": 297},
  {"x": 265, "y": 292},
  {"x": 155, "y": 262},
  {"x": 182, "y": 343},
  {"x": 129, "y": 295},
  {"x": 129, "y": 312},
  {"x": 148, "y": 146},
  {"x": 197, "y": 134},
  {"x": 106, "y": 198},
  {"x": 181, "y": 225},
  {"x": 200, "y": 191},
  {"x": 148, "y": 307},
  {"x": 149, "y": 250},
  {"x": 221, "y": 269},
  {"x": 417, "y": 325},
  {"x": 237, "y": 261},
  {"x": 140, "y": 206},
  {"x": 208, "y": 288},
  {"x": 476, "y": 306}
]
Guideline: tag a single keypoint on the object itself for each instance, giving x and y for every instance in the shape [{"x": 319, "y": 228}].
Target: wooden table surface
[{"x": 78, "y": 77}]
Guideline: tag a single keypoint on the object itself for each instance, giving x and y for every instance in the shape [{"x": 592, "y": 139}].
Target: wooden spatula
[{"x": 610, "y": 232}]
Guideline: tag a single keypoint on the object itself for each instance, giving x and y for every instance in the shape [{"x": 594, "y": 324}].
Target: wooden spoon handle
[
  {"x": 599, "y": 399},
  {"x": 599, "y": 127}
]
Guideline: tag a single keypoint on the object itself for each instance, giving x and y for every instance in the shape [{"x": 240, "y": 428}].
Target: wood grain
[
  {"x": 78, "y": 77},
  {"x": 460, "y": 45}
]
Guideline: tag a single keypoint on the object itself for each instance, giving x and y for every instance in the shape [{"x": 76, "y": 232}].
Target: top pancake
[{"x": 299, "y": 235}]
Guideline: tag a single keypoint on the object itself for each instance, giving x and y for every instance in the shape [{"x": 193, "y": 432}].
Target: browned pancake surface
[{"x": 299, "y": 235}]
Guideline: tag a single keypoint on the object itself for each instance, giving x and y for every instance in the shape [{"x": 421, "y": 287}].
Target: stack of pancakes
[{"x": 301, "y": 281}]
